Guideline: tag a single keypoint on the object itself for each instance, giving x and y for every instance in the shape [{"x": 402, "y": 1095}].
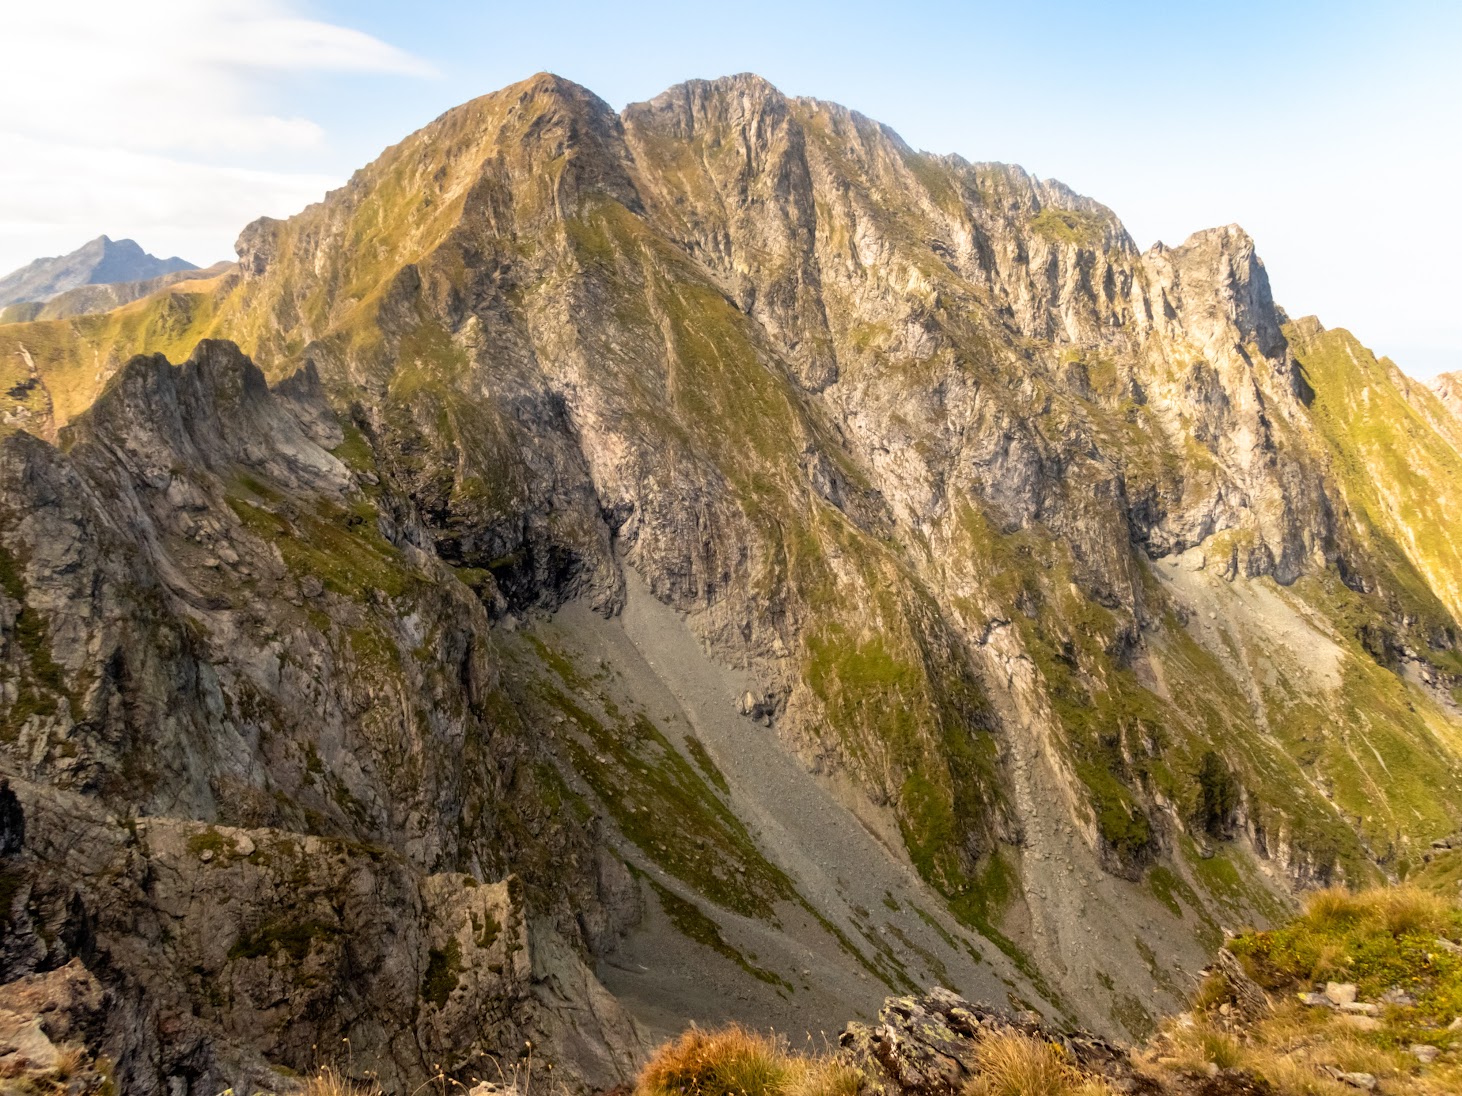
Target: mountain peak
[
  {"x": 542, "y": 88},
  {"x": 101, "y": 261},
  {"x": 1229, "y": 237},
  {"x": 1070, "y": 602}
]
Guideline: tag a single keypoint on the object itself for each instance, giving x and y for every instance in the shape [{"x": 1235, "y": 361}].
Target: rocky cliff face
[
  {"x": 1109, "y": 603},
  {"x": 173, "y": 667},
  {"x": 1448, "y": 388}
]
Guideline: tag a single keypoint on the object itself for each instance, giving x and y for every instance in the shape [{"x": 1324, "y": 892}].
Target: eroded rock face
[
  {"x": 1050, "y": 554},
  {"x": 228, "y": 952},
  {"x": 931, "y": 1046},
  {"x": 220, "y": 807}
]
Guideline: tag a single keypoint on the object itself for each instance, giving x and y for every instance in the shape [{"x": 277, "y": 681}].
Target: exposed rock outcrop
[
  {"x": 1101, "y": 594},
  {"x": 931, "y": 1046},
  {"x": 229, "y": 951},
  {"x": 1448, "y": 387}
]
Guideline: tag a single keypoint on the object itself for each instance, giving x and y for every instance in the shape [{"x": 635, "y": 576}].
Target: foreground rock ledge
[{"x": 929, "y": 1046}]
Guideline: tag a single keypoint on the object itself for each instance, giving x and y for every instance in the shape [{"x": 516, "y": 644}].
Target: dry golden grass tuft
[
  {"x": 1012, "y": 1064},
  {"x": 1333, "y": 906},
  {"x": 69, "y": 1062},
  {"x": 735, "y": 1062},
  {"x": 1399, "y": 910},
  {"x": 1406, "y": 910},
  {"x": 330, "y": 1082}
]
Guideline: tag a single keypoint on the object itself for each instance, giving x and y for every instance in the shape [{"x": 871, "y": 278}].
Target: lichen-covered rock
[
  {"x": 930, "y": 1046},
  {"x": 231, "y": 951}
]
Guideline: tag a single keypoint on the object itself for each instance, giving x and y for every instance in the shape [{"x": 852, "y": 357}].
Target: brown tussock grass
[
  {"x": 330, "y": 1082},
  {"x": 1012, "y": 1064},
  {"x": 733, "y": 1061}
]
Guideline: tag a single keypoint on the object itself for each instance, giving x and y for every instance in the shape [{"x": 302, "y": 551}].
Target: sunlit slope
[
  {"x": 1397, "y": 463},
  {"x": 913, "y": 440}
]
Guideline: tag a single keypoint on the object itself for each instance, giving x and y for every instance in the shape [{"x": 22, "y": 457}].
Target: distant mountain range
[
  {"x": 87, "y": 300},
  {"x": 99, "y": 262}
]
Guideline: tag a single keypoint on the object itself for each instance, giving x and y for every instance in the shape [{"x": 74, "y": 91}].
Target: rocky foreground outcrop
[
  {"x": 227, "y": 953},
  {"x": 929, "y": 1046},
  {"x": 919, "y": 1046}
]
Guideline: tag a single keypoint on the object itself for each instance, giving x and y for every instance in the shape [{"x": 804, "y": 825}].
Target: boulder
[{"x": 1340, "y": 993}]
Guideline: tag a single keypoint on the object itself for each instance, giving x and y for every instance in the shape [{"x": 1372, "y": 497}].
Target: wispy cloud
[
  {"x": 55, "y": 196},
  {"x": 140, "y": 117}
]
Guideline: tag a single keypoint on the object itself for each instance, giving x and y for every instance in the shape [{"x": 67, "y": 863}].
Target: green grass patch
[
  {"x": 1069, "y": 226},
  {"x": 697, "y": 751},
  {"x": 340, "y": 545},
  {"x": 294, "y": 939},
  {"x": 661, "y": 803},
  {"x": 690, "y": 922},
  {"x": 42, "y": 685},
  {"x": 1380, "y": 940},
  {"x": 443, "y": 973}
]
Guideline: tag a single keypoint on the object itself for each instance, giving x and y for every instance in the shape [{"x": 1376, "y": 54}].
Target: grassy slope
[
  {"x": 1391, "y": 944},
  {"x": 1400, "y": 476},
  {"x": 74, "y": 357}
]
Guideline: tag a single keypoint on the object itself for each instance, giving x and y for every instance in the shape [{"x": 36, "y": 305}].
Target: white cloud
[
  {"x": 55, "y": 196},
  {"x": 136, "y": 118}
]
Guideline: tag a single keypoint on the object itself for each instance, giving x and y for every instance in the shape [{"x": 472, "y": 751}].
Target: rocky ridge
[
  {"x": 1103, "y": 596},
  {"x": 87, "y": 299},
  {"x": 96, "y": 262},
  {"x": 1448, "y": 387}
]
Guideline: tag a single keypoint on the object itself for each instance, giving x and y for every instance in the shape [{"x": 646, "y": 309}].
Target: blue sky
[{"x": 1331, "y": 131}]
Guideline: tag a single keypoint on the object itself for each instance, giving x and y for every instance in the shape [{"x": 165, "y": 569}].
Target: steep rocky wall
[
  {"x": 206, "y": 623},
  {"x": 1022, "y": 534},
  {"x": 228, "y": 955}
]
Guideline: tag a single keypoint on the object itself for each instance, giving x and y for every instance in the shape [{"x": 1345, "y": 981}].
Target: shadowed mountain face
[
  {"x": 99, "y": 262},
  {"x": 790, "y": 564}
]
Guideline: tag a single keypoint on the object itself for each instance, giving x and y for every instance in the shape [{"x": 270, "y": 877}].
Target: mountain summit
[
  {"x": 710, "y": 561},
  {"x": 98, "y": 262}
]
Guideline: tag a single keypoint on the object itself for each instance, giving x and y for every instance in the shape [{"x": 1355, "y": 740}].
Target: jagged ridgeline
[{"x": 705, "y": 562}]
